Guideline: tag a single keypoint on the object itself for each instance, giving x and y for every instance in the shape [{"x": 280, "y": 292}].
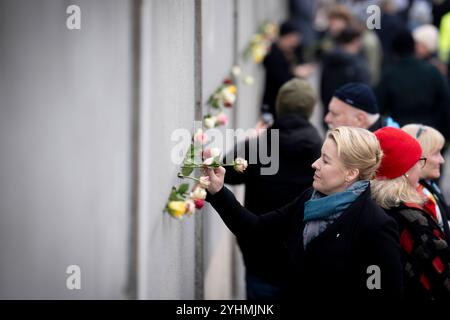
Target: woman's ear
[{"x": 352, "y": 174}]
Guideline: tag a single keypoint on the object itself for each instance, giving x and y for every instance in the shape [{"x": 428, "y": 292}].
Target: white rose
[
  {"x": 236, "y": 71},
  {"x": 240, "y": 165},
  {"x": 209, "y": 161},
  {"x": 228, "y": 96},
  {"x": 198, "y": 193},
  {"x": 248, "y": 80},
  {"x": 215, "y": 152},
  {"x": 210, "y": 122}
]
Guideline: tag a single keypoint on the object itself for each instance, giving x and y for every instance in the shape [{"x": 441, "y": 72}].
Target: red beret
[{"x": 400, "y": 152}]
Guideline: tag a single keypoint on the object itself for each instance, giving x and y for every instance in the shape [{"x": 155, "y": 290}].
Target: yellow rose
[
  {"x": 229, "y": 94},
  {"x": 232, "y": 89},
  {"x": 177, "y": 208},
  {"x": 259, "y": 53},
  {"x": 257, "y": 38}
]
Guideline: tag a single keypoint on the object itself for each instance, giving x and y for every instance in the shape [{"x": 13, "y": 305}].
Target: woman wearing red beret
[{"x": 425, "y": 253}]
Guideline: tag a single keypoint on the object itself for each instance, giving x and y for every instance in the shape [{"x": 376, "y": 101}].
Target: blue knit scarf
[{"x": 320, "y": 211}]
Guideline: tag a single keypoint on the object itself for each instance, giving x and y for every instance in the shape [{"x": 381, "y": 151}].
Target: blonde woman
[
  {"x": 431, "y": 141},
  {"x": 335, "y": 235},
  {"x": 425, "y": 253}
]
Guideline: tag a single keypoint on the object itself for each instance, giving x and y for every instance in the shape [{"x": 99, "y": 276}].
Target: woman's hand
[{"x": 216, "y": 178}]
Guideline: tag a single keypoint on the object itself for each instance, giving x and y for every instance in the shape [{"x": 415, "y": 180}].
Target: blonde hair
[
  {"x": 389, "y": 193},
  {"x": 357, "y": 148},
  {"x": 430, "y": 139}
]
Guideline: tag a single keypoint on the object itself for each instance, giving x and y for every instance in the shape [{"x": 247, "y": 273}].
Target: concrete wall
[
  {"x": 65, "y": 148},
  {"x": 167, "y": 268},
  {"x": 70, "y": 145}
]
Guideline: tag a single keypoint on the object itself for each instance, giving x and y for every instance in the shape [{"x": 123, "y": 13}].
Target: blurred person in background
[
  {"x": 391, "y": 24},
  {"x": 426, "y": 38},
  {"x": 413, "y": 90},
  {"x": 343, "y": 65},
  {"x": 281, "y": 65}
]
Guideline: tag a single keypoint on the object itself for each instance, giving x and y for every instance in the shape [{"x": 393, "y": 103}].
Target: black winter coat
[
  {"x": 413, "y": 91},
  {"x": 278, "y": 72},
  {"x": 443, "y": 206},
  {"x": 334, "y": 266},
  {"x": 340, "y": 68}
]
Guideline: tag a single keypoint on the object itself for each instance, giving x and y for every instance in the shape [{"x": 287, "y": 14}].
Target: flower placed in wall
[
  {"x": 249, "y": 80},
  {"x": 222, "y": 119},
  {"x": 176, "y": 209},
  {"x": 199, "y": 203},
  {"x": 229, "y": 95},
  {"x": 210, "y": 121},
  {"x": 181, "y": 202},
  {"x": 199, "y": 193},
  {"x": 177, "y": 206},
  {"x": 260, "y": 43},
  {"x": 190, "y": 206},
  {"x": 224, "y": 96},
  {"x": 236, "y": 71},
  {"x": 200, "y": 137}
]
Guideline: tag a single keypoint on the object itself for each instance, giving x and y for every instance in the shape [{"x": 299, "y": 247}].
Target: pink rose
[
  {"x": 222, "y": 119},
  {"x": 190, "y": 207},
  {"x": 211, "y": 153},
  {"x": 200, "y": 137}
]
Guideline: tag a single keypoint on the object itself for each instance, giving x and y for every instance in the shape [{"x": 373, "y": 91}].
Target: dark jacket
[
  {"x": 299, "y": 146},
  {"x": 425, "y": 255},
  {"x": 334, "y": 265},
  {"x": 443, "y": 206},
  {"x": 391, "y": 24},
  {"x": 278, "y": 72},
  {"x": 413, "y": 91},
  {"x": 340, "y": 68}
]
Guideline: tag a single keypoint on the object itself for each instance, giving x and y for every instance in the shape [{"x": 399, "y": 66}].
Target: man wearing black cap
[{"x": 355, "y": 104}]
